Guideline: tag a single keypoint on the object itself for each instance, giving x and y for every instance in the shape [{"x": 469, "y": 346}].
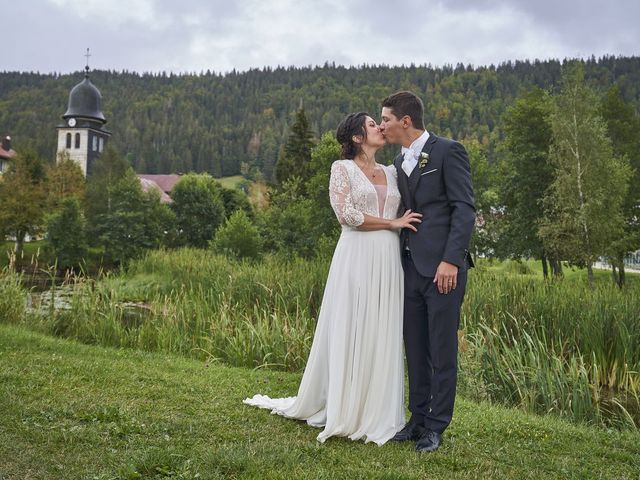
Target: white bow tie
[{"x": 410, "y": 160}]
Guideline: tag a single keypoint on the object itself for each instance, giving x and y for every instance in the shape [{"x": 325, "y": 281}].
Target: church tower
[{"x": 83, "y": 135}]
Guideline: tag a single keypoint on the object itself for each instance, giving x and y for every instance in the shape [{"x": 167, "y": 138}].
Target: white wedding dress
[{"x": 353, "y": 383}]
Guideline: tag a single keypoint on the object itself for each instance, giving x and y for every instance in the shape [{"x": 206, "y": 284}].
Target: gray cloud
[
  {"x": 196, "y": 35},
  {"x": 577, "y": 27}
]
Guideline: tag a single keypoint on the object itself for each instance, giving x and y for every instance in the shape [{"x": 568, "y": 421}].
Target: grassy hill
[{"x": 74, "y": 411}]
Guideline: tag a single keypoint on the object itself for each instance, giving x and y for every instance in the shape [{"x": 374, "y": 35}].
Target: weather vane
[{"x": 87, "y": 55}]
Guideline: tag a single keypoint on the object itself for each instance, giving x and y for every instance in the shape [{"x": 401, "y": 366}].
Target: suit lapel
[
  {"x": 403, "y": 184},
  {"x": 414, "y": 179}
]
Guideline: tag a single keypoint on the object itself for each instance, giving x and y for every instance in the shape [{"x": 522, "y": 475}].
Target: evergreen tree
[
  {"x": 145, "y": 109},
  {"x": 584, "y": 203},
  {"x": 296, "y": 156}
]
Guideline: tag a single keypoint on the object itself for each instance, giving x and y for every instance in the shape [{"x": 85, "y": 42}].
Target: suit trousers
[{"x": 431, "y": 322}]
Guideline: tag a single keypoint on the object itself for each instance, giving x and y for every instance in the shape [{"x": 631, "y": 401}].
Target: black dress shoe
[
  {"x": 411, "y": 431},
  {"x": 428, "y": 442}
]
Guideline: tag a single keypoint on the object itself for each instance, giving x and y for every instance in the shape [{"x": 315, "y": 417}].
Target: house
[
  {"x": 162, "y": 183},
  {"x": 6, "y": 154}
]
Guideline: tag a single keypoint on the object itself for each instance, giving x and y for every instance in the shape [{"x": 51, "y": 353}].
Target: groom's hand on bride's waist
[{"x": 446, "y": 277}]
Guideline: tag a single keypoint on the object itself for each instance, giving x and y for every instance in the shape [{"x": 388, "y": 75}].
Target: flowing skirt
[{"x": 353, "y": 383}]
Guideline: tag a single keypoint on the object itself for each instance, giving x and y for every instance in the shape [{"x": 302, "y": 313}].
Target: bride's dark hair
[{"x": 349, "y": 127}]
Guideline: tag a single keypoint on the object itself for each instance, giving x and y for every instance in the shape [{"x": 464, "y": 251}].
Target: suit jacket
[{"x": 442, "y": 192}]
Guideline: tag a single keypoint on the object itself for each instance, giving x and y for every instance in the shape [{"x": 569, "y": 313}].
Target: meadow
[
  {"x": 549, "y": 347},
  {"x": 75, "y": 411}
]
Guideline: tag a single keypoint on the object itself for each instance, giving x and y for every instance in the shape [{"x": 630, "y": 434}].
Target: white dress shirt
[{"x": 412, "y": 154}]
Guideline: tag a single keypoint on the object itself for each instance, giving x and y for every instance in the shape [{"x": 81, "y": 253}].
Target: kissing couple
[{"x": 399, "y": 270}]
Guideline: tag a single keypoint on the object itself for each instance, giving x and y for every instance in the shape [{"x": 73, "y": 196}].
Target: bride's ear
[{"x": 357, "y": 139}]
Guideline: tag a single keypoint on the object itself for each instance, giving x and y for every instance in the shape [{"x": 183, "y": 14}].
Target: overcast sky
[{"x": 219, "y": 35}]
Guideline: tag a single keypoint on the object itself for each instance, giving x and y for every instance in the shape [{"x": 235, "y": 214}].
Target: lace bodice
[{"x": 352, "y": 195}]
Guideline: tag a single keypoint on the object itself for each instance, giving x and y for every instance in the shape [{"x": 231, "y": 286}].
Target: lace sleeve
[{"x": 340, "y": 197}]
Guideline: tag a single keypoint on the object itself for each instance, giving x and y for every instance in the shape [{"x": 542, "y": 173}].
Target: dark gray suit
[{"x": 442, "y": 192}]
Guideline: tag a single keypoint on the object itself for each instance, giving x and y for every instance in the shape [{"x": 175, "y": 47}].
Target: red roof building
[{"x": 162, "y": 183}]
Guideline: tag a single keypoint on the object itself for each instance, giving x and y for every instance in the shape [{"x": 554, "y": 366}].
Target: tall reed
[
  {"x": 558, "y": 347},
  {"x": 13, "y": 298}
]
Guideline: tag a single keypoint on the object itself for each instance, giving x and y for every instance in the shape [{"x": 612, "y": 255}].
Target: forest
[{"x": 239, "y": 122}]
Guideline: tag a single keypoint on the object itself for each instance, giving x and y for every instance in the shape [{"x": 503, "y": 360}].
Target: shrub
[{"x": 238, "y": 237}]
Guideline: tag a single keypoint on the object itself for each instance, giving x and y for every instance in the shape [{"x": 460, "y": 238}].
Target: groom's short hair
[{"x": 406, "y": 103}]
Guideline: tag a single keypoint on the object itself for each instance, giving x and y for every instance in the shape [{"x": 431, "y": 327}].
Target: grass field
[
  {"x": 230, "y": 182},
  {"x": 557, "y": 347},
  {"x": 257, "y": 190},
  {"x": 74, "y": 411}
]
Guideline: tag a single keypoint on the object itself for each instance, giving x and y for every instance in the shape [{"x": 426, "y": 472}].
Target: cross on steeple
[{"x": 87, "y": 55}]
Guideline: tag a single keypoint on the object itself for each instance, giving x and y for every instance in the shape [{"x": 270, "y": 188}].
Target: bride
[{"x": 353, "y": 383}]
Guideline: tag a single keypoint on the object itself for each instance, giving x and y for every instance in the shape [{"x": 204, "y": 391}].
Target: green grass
[
  {"x": 572, "y": 274},
  {"x": 257, "y": 190},
  {"x": 230, "y": 182},
  {"x": 34, "y": 253},
  {"x": 548, "y": 347},
  {"x": 74, "y": 411},
  {"x": 36, "y": 259}
]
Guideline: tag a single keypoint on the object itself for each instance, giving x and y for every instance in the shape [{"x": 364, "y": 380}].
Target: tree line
[
  {"x": 239, "y": 122},
  {"x": 561, "y": 184}
]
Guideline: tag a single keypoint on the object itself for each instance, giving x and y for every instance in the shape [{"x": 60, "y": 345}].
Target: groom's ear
[{"x": 406, "y": 121}]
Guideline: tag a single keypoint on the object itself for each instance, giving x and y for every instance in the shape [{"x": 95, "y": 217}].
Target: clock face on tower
[{"x": 72, "y": 122}]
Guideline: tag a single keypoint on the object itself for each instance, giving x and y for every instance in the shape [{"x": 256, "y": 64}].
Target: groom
[{"x": 434, "y": 179}]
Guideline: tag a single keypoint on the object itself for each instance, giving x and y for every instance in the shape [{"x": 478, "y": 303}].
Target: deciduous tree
[{"x": 584, "y": 203}]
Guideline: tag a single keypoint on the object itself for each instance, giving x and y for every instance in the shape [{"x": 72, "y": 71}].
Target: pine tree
[{"x": 296, "y": 156}]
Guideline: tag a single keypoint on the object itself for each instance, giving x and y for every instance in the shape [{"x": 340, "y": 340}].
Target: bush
[
  {"x": 517, "y": 267},
  {"x": 238, "y": 237},
  {"x": 289, "y": 225}
]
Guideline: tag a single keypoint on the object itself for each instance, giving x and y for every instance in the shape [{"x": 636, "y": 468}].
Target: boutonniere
[{"x": 424, "y": 159}]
